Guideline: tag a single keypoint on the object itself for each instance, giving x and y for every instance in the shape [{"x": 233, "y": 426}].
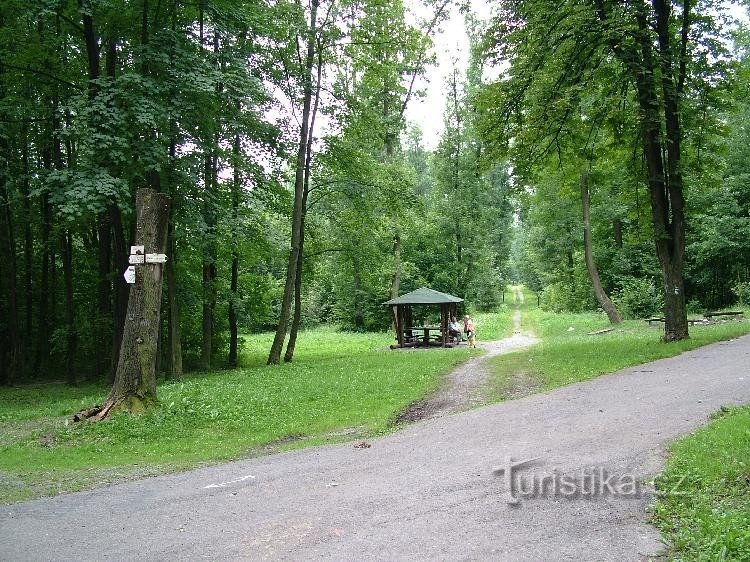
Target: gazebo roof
[{"x": 424, "y": 296}]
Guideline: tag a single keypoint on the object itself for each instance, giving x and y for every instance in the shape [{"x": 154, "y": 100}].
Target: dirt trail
[{"x": 464, "y": 388}]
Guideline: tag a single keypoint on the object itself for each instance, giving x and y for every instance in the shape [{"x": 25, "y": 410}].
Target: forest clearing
[
  {"x": 238, "y": 232},
  {"x": 343, "y": 387}
]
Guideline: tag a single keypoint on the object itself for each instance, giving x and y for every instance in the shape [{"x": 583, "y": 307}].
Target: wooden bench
[
  {"x": 691, "y": 321},
  {"x": 732, "y": 313}
]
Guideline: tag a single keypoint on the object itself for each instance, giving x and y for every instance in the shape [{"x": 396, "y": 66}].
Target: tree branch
[{"x": 39, "y": 72}]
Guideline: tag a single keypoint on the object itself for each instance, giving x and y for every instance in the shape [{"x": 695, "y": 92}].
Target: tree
[
  {"x": 656, "y": 49},
  {"x": 134, "y": 388},
  {"x": 596, "y": 282}
]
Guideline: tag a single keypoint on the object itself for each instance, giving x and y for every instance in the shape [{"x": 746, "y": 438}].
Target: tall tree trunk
[
  {"x": 209, "y": 248},
  {"x": 11, "y": 338},
  {"x": 71, "y": 340},
  {"x": 359, "y": 314},
  {"x": 662, "y": 138},
  {"x": 28, "y": 242},
  {"x": 233, "y": 283},
  {"x": 134, "y": 387},
  {"x": 601, "y": 295},
  {"x": 121, "y": 288},
  {"x": 104, "y": 292},
  {"x": 616, "y": 220},
  {"x": 175, "y": 336},
  {"x": 299, "y": 187},
  {"x": 43, "y": 319},
  {"x": 209, "y": 269},
  {"x": 297, "y": 316},
  {"x": 173, "y": 326}
]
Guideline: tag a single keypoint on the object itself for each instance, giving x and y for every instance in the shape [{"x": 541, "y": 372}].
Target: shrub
[
  {"x": 561, "y": 297},
  {"x": 638, "y": 298},
  {"x": 694, "y": 306},
  {"x": 742, "y": 292}
]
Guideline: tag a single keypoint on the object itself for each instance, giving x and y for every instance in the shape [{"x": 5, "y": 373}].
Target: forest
[{"x": 595, "y": 151}]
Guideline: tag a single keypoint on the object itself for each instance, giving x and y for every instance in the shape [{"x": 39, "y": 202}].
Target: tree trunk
[
  {"x": 71, "y": 340},
  {"x": 662, "y": 138},
  {"x": 11, "y": 338},
  {"x": 121, "y": 288},
  {"x": 134, "y": 388},
  {"x": 104, "y": 290},
  {"x": 209, "y": 269},
  {"x": 175, "y": 336},
  {"x": 28, "y": 242},
  {"x": 296, "y": 319},
  {"x": 601, "y": 295},
  {"x": 665, "y": 184},
  {"x": 173, "y": 326},
  {"x": 233, "y": 283},
  {"x": 43, "y": 320},
  {"x": 359, "y": 314},
  {"x": 292, "y": 343},
  {"x": 299, "y": 184}
]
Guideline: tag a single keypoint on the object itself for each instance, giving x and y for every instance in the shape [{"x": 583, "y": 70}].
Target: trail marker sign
[
  {"x": 156, "y": 258},
  {"x": 129, "y": 275}
]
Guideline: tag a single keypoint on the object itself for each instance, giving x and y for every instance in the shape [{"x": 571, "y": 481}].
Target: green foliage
[
  {"x": 742, "y": 292},
  {"x": 703, "y": 505},
  {"x": 638, "y": 298},
  {"x": 564, "y": 297}
]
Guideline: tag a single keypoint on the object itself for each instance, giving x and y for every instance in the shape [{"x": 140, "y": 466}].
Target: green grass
[
  {"x": 567, "y": 354},
  {"x": 338, "y": 381},
  {"x": 703, "y": 495},
  {"x": 494, "y": 325}
]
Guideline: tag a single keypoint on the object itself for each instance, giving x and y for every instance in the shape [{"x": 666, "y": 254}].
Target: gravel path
[
  {"x": 428, "y": 492},
  {"x": 464, "y": 388}
]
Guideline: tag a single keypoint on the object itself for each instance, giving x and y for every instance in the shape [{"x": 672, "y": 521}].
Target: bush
[
  {"x": 638, "y": 298},
  {"x": 742, "y": 292},
  {"x": 694, "y": 306},
  {"x": 561, "y": 297}
]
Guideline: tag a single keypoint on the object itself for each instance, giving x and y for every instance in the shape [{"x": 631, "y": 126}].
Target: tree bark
[
  {"x": 601, "y": 295},
  {"x": 121, "y": 288},
  {"x": 209, "y": 269},
  {"x": 175, "y": 336},
  {"x": 299, "y": 180},
  {"x": 71, "y": 340},
  {"x": 233, "y": 282},
  {"x": 104, "y": 290},
  {"x": 11, "y": 339},
  {"x": 28, "y": 241},
  {"x": 662, "y": 137},
  {"x": 297, "y": 316},
  {"x": 173, "y": 326},
  {"x": 134, "y": 387}
]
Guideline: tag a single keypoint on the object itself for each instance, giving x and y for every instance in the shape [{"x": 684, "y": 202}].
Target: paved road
[{"x": 427, "y": 492}]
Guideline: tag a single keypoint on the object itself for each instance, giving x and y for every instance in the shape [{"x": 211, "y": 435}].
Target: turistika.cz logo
[{"x": 589, "y": 483}]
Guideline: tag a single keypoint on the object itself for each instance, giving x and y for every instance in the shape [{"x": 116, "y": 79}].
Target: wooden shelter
[{"x": 409, "y": 335}]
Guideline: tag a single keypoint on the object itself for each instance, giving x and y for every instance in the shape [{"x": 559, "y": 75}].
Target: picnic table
[{"x": 425, "y": 331}]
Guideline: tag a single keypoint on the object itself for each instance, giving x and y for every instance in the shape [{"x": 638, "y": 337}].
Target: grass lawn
[
  {"x": 494, "y": 325},
  {"x": 567, "y": 354},
  {"x": 340, "y": 385},
  {"x": 703, "y": 495}
]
